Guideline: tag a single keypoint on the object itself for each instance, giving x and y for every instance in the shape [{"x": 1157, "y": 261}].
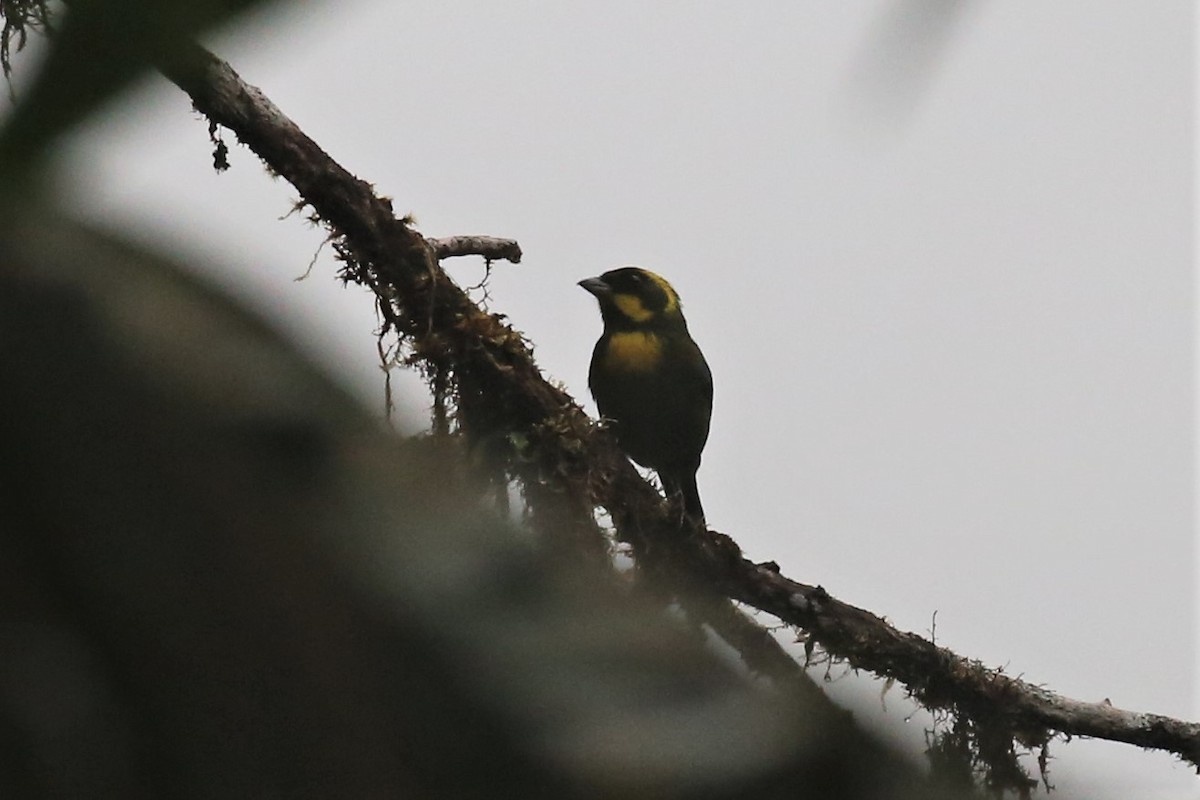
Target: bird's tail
[{"x": 683, "y": 483}]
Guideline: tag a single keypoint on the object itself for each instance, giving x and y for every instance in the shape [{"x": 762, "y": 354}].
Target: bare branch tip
[{"x": 492, "y": 248}]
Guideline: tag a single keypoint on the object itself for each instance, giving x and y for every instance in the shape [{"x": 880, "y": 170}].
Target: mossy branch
[{"x": 502, "y": 397}]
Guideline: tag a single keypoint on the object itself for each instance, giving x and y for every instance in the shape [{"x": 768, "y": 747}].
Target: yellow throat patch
[
  {"x": 633, "y": 351},
  {"x": 631, "y": 306}
]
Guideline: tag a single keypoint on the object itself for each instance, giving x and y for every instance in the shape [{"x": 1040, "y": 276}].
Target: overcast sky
[{"x": 941, "y": 266}]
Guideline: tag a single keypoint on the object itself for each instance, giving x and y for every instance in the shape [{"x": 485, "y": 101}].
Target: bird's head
[{"x": 631, "y": 298}]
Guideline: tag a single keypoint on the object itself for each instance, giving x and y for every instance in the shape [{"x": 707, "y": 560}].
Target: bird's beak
[{"x": 596, "y": 287}]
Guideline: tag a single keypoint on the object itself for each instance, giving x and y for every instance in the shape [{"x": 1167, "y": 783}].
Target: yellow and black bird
[{"x": 651, "y": 379}]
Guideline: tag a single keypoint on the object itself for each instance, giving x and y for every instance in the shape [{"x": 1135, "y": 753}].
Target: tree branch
[
  {"x": 490, "y": 247},
  {"x": 938, "y": 677},
  {"x": 502, "y": 393}
]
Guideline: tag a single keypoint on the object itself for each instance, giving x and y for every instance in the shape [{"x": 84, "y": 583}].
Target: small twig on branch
[
  {"x": 501, "y": 392},
  {"x": 490, "y": 247}
]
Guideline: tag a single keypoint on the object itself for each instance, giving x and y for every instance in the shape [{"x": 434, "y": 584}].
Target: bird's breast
[{"x": 633, "y": 351}]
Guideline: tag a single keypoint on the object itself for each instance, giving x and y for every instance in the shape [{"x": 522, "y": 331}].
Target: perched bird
[{"x": 651, "y": 379}]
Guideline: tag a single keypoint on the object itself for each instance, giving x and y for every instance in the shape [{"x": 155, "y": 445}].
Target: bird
[{"x": 650, "y": 379}]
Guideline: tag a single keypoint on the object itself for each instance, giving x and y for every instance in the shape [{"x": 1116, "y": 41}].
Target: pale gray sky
[{"x": 947, "y": 297}]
